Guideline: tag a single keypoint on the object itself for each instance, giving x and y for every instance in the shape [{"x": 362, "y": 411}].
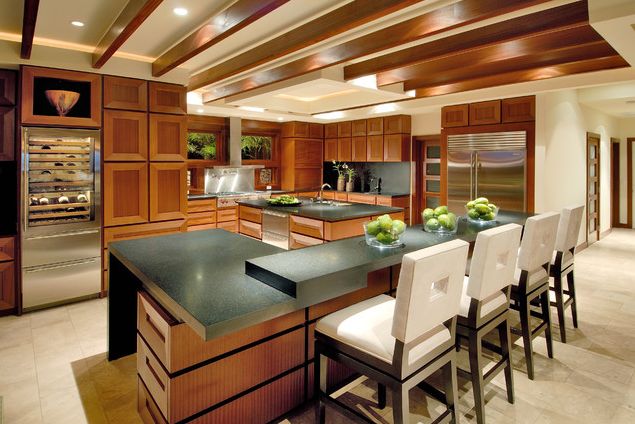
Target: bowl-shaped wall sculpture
[{"x": 62, "y": 100}]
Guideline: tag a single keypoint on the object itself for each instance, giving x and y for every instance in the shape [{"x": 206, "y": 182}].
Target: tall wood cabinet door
[
  {"x": 358, "y": 127},
  {"x": 7, "y": 87},
  {"x": 125, "y": 193},
  {"x": 374, "y": 126},
  {"x": 397, "y": 124},
  {"x": 344, "y": 129},
  {"x": 167, "y": 98},
  {"x": 330, "y": 149},
  {"x": 375, "y": 148},
  {"x": 7, "y": 132},
  {"x": 168, "y": 138},
  {"x": 308, "y": 152},
  {"x": 396, "y": 147},
  {"x": 7, "y": 285},
  {"x": 125, "y": 136},
  {"x": 168, "y": 191},
  {"x": 125, "y": 93},
  {"x": 455, "y": 116},
  {"x": 330, "y": 130},
  {"x": 358, "y": 153},
  {"x": 344, "y": 149}
]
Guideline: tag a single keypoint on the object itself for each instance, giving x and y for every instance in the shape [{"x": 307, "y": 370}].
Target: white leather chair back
[
  {"x": 429, "y": 290},
  {"x": 539, "y": 238},
  {"x": 494, "y": 260},
  {"x": 569, "y": 228}
]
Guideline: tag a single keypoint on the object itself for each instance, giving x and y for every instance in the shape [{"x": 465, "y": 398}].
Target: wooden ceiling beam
[
  {"x": 131, "y": 17},
  {"x": 437, "y": 21},
  {"x": 340, "y": 20},
  {"x": 238, "y": 16},
  {"x": 28, "y": 27},
  {"x": 534, "y": 74},
  {"x": 568, "y": 16}
]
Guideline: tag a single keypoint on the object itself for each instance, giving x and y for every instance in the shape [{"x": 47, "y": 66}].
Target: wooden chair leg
[
  {"x": 560, "y": 307},
  {"x": 574, "y": 303},
  {"x": 546, "y": 314},
  {"x": 451, "y": 389},
  {"x": 506, "y": 350},
  {"x": 400, "y": 405},
  {"x": 476, "y": 371},
  {"x": 525, "y": 323},
  {"x": 381, "y": 396}
]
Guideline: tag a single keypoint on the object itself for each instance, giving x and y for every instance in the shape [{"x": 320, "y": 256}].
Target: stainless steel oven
[{"x": 275, "y": 228}]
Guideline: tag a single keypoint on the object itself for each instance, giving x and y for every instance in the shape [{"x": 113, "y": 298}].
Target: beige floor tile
[{"x": 21, "y": 402}]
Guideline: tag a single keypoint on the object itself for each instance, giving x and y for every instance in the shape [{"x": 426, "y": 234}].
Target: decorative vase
[
  {"x": 350, "y": 185},
  {"x": 340, "y": 183},
  {"x": 62, "y": 100}
]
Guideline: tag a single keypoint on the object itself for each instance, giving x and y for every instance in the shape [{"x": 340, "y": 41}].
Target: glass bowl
[
  {"x": 443, "y": 227},
  {"x": 388, "y": 239},
  {"x": 483, "y": 218}
]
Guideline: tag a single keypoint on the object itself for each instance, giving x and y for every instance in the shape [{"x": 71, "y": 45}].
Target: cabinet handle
[
  {"x": 154, "y": 374},
  {"x": 152, "y": 413},
  {"x": 155, "y": 328}
]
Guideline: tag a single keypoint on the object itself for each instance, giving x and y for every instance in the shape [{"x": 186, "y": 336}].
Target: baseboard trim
[
  {"x": 620, "y": 225},
  {"x": 580, "y": 247},
  {"x": 605, "y": 233}
]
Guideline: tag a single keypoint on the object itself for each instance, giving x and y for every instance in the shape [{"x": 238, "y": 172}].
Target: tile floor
[{"x": 53, "y": 366}]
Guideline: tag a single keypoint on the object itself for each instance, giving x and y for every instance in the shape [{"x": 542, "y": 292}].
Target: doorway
[
  {"x": 427, "y": 157},
  {"x": 615, "y": 183},
  {"x": 592, "y": 188}
]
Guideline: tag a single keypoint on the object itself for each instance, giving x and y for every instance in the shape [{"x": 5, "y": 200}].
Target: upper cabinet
[
  {"x": 330, "y": 149},
  {"x": 125, "y": 93},
  {"x": 7, "y": 87},
  {"x": 397, "y": 124},
  {"x": 358, "y": 128},
  {"x": 396, "y": 147},
  {"x": 330, "y": 130},
  {"x": 7, "y": 133},
  {"x": 485, "y": 113},
  {"x": 455, "y": 116},
  {"x": 167, "y": 98},
  {"x": 374, "y": 126},
  {"x": 168, "y": 134},
  {"x": 125, "y": 135},
  {"x": 302, "y": 129},
  {"x": 519, "y": 109},
  {"x": 344, "y": 129},
  {"x": 492, "y": 112}
]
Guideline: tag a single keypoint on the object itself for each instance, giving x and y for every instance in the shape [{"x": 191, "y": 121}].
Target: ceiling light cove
[
  {"x": 384, "y": 108},
  {"x": 180, "y": 11},
  {"x": 252, "y": 108},
  {"x": 329, "y": 115},
  {"x": 78, "y": 24},
  {"x": 368, "y": 81}
]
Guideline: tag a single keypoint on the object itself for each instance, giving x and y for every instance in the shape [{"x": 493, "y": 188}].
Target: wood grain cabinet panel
[
  {"x": 130, "y": 232},
  {"x": 298, "y": 241},
  {"x": 7, "y": 285},
  {"x": 168, "y": 138},
  {"x": 125, "y": 136},
  {"x": 375, "y": 148},
  {"x": 167, "y": 98},
  {"x": 308, "y": 177},
  {"x": 397, "y": 124},
  {"x": 330, "y": 149},
  {"x": 125, "y": 93},
  {"x": 375, "y": 126},
  {"x": 344, "y": 149},
  {"x": 358, "y": 149},
  {"x": 361, "y": 198},
  {"x": 7, "y": 87},
  {"x": 125, "y": 193},
  {"x": 455, "y": 116},
  {"x": 308, "y": 152},
  {"x": 518, "y": 109},
  {"x": 7, "y": 249},
  {"x": 344, "y": 129},
  {"x": 295, "y": 129},
  {"x": 306, "y": 226},
  {"x": 250, "y": 214},
  {"x": 330, "y": 130},
  {"x": 396, "y": 147},
  {"x": 168, "y": 196},
  {"x": 316, "y": 130},
  {"x": 250, "y": 229},
  {"x": 358, "y": 127},
  {"x": 7, "y": 132},
  {"x": 484, "y": 113}
]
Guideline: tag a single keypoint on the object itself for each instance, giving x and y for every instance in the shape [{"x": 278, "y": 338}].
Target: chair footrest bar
[
  {"x": 539, "y": 329},
  {"x": 432, "y": 391},
  {"x": 495, "y": 370},
  {"x": 492, "y": 347},
  {"x": 463, "y": 373}
]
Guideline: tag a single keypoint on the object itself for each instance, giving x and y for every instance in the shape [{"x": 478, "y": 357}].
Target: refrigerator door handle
[
  {"x": 476, "y": 168},
  {"x": 59, "y": 266},
  {"x": 75, "y": 233}
]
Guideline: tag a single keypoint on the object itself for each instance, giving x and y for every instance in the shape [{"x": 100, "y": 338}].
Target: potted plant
[
  {"x": 341, "y": 174},
  {"x": 350, "y": 173}
]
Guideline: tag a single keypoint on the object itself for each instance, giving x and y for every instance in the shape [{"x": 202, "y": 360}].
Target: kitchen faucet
[{"x": 321, "y": 192}]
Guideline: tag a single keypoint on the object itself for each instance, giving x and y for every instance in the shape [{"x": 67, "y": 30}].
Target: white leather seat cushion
[
  {"x": 367, "y": 326},
  {"x": 489, "y": 304}
]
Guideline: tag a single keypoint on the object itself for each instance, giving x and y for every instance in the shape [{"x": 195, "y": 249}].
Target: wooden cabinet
[
  {"x": 307, "y": 178},
  {"x": 7, "y": 87},
  {"x": 344, "y": 129},
  {"x": 308, "y": 152},
  {"x": 316, "y": 130},
  {"x": 396, "y": 147},
  {"x": 125, "y": 136},
  {"x": 302, "y": 159},
  {"x": 295, "y": 129},
  {"x": 330, "y": 130},
  {"x": 7, "y": 274},
  {"x": 485, "y": 113},
  {"x": 7, "y": 133},
  {"x": 455, "y": 116},
  {"x": 167, "y": 98},
  {"x": 330, "y": 149},
  {"x": 130, "y": 232},
  {"x": 518, "y": 109},
  {"x": 248, "y": 213},
  {"x": 125, "y": 93},
  {"x": 298, "y": 241},
  {"x": 358, "y": 149},
  {"x": 168, "y": 138},
  {"x": 358, "y": 127},
  {"x": 375, "y": 148},
  {"x": 125, "y": 193},
  {"x": 344, "y": 149},
  {"x": 251, "y": 229},
  {"x": 375, "y": 126},
  {"x": 168, "y": 196},
  {"x": 361, "y": 198},
  {"x": 397, "y": 124},
  {"x": 306, "y": 226}
]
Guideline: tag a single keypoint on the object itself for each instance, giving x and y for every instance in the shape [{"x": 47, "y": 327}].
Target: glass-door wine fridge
[{"x": 61, "y": 219}]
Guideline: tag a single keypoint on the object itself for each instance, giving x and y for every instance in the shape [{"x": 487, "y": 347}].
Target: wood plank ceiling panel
[
  {"x": 231, "y": 20},
  {"x": 28, "y": 27},
  {"x": 131, "y": 17}
]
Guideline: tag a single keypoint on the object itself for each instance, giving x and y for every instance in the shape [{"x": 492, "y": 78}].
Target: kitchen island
[{"x": 215, "y": 344}]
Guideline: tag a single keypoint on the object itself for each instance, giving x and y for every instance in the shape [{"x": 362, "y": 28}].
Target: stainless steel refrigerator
[
  {"x": 491, "y": 165},
  {"x": 61, "y": 219}
]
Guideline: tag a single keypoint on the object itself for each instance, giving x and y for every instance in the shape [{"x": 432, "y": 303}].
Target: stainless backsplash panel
[{"x": 229, "y": 179}]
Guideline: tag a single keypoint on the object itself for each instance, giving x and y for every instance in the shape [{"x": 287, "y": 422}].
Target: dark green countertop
[{"x": 325, "y": 212}]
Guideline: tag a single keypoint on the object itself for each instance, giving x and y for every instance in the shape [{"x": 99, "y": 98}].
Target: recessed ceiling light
[
  {"x": 200, "y": 110},
  {"x": 368, "y": 81},
  {"x": 329, "y": 115},
  {"x": 280, "y": 118},
  {"x": 77, "y": 23},
  {"x": 180, "y": 11},
  {"x": 252, "y": 108}
]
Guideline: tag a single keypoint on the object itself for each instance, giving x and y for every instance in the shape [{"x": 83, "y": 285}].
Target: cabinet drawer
[
  {"x": 298, "y": 241},
  {"x": 251, "y": 229},
  {"x": 153, "y": 376},
  {"x": 156, "y": 327},
  {"x": 383, "y": 200},
  {"x": 231, "y": 226},
  {"x": 146, "y": 406},
  {"x": 341, "y": 197},
  {"x": 226, "y": 214},
  {"x": 201, "y": 205},
  {"x": 361, "y": 198},
  {"x": 201, "y": 227},
  {"x": 306, "y": 226},
  {"x": 142, "y": 230},
  {"x": 7, "y": 249},
  {"x": 251, "y": 214},
  {"x": 201, "y": 218}
]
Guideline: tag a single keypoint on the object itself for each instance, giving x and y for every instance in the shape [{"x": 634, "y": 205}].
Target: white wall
[
  {"x": 426, "y": 123},
  {"x": 561, "y": 127}
]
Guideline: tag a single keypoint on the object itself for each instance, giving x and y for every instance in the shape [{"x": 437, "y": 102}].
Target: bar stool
[
  {"x": 562, "y": 265},
  {"x": 531, "y": 282},
  {"x": 484, "y": 308},
  {"x": 399, "y": 342}
]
